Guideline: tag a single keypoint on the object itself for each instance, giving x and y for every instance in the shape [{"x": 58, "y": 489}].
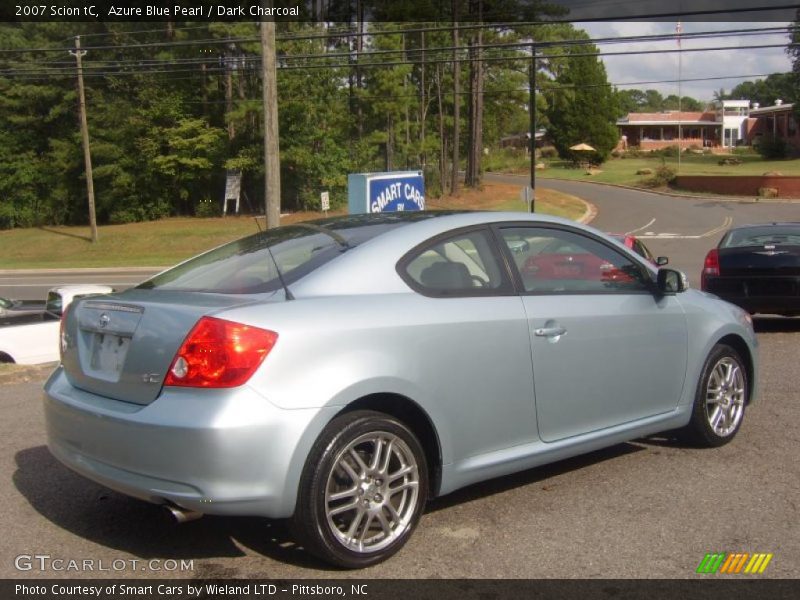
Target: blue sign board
[{"x": 396, "y": 191}]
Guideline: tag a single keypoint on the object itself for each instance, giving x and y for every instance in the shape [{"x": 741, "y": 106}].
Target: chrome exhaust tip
[{"x": 181, "y": 515}]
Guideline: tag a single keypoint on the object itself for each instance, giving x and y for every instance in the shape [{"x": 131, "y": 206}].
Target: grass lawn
[
  {"x": 166, "y": 242},
  {"x": 623, "y": 170}
]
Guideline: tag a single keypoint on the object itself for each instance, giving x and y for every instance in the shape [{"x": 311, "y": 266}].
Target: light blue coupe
[{"x": 342, "y": 372}]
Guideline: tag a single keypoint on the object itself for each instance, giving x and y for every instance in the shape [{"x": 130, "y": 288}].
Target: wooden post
[
  {"x": 87, "y": 155},
  {"x": 456, "y": 101},
  {"x": 272, "y": 166}
]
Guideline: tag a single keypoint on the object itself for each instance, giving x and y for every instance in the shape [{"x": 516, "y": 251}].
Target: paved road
[
  {"x": 33, "y": 284},
  {"x": 682, "y": 228}
]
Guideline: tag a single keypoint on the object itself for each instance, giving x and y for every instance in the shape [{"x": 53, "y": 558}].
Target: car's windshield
[
  {"x": 768, "y": 235},
  {"x": 248, "y": 265},
  {"x": 4, "y": 303}
]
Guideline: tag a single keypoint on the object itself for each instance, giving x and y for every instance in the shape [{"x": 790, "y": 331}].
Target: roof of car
[{"x": 772, "y": 224}]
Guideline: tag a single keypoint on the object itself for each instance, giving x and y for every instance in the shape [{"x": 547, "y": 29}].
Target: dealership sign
[{"x": 397, "y": 191}]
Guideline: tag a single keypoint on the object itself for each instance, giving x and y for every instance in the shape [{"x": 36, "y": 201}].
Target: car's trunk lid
[
  {"x": 778, "y": 260},
  {"x": 121, "y": 346}
]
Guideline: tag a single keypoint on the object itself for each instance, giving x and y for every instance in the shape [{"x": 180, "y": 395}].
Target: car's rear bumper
[
  {"x": 778, "y": 295},
  {"x": 226, "y": 452}
]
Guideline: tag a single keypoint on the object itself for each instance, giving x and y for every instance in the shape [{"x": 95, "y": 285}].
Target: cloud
[{"x": 710, "y": 70}]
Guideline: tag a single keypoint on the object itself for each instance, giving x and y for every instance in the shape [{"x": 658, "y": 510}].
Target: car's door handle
[{"x": 550, "y": 331}]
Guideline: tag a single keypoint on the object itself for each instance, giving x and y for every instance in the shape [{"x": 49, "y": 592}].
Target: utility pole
[
  {"x": 456, "y": 101},
  {"x": 272, "y": 165},
  {"x": 87, "y": 155},
  {"x": 532, "y": 115}
]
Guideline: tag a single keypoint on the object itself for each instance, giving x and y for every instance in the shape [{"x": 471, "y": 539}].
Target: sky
[{"x": 734, "y": 66}]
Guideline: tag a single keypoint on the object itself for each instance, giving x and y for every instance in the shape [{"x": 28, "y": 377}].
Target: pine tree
[{"x": 584, "y": 109}]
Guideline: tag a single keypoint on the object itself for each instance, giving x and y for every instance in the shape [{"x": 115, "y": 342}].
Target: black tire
[
  {"x": 370, "y": 500},
  {"x": 720, "y": 399}
]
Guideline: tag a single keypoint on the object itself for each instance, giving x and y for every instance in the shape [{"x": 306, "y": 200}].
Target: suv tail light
[
  {"x": 710, "y": 267},
  {"x": 219, "y": 354}
]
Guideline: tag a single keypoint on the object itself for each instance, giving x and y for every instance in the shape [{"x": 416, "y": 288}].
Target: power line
[
  {"x": 244, "y": 60},
  {"x": 376, "y": 33}
]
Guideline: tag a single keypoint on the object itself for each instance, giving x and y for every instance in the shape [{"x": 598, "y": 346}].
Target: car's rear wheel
[
  {"x": 720, "y": 400},
  {"x": 362, "y": 491}
]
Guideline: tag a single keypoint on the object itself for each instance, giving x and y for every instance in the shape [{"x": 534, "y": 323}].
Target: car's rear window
[
  {"x": 248, "y": 265},
  {"x": 768, "y": 235}
]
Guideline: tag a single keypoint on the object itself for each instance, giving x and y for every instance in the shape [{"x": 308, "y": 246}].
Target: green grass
[
  {"x": 623, "y": 170},
  {"x": 549, "y": 202},
  {"x": 155, "y": 243},
  {"x": 169, "y": 241}
]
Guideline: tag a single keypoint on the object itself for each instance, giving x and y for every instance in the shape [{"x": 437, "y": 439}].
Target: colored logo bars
[{"x": 734, "y": 563}]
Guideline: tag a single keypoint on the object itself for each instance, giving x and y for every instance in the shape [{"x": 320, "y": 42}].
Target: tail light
[
  {"x": 219, "y": 354},
  {"x": 710, "y": 267}
]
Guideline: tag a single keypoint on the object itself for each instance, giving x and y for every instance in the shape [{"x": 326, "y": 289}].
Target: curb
[
  {"x": 740, "y": 199},
  {"x": 589, "y": 214},
  {"x": 86, "y": 270}
]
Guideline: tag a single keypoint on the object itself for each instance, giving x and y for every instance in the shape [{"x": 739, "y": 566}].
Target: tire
[
  {"x": 362, "y": 491},
  {"x": 720, "y": 400}
]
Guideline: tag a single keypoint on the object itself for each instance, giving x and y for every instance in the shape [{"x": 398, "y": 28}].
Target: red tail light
[
  {"x": 710, "y": 267},
  {"x": 219, "y": 354}
]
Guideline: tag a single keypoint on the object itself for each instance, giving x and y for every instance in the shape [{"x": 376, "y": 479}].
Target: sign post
[
  {"x": 233, "y": 190},
  {"x": 325, "y": 202},
  {"x": 526, "y": 195}
]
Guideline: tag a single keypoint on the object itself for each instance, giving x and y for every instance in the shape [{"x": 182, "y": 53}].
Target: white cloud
[{"x": 705, "y": 67}]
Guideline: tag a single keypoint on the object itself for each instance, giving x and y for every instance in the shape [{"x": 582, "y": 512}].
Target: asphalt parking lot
[
  {"x": 646, "y": 509},
  {"x": 652, "y": 508}
]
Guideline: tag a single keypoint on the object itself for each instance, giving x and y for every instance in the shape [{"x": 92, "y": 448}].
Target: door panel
[
  {"x": 620, "y": 358},
  {"x": 605, "y": 350}
]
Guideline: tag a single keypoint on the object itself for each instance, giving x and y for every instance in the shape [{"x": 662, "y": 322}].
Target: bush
[
  {"x": 548, "y": 152},
  {"x": 636, "y": 153},
  {"x": 123, "y": 216},
  {"x": 207, "y": 208},
  {"x": 7, "y": 219},
  {"x": 771, "y": 147},
  {"x": 11, "y": 217},
  {"x": 137, "y": 214},
  {"x": 744, "y": 151},
  {"x": 661, "y": 178},
  {"x": 505, "y": 159},
  {"x": 668, "y": 152},
  {"x": 433, "y": 185}
]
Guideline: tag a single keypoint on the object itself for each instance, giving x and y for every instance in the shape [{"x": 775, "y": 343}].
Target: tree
[
  {"x": 687, "y": 103},
  {"x": 630, "y": 101},
  {"x": 585, "y": 109},
  {"x": 766, "y": 91}
]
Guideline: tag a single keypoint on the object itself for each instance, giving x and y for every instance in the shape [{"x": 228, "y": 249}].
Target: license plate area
[{"x": 107, "y": 355}]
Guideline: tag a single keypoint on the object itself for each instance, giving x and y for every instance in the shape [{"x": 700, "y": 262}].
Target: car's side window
[
  {"x": 464, "y": 264},
  {"x": 560, "y": 261}
]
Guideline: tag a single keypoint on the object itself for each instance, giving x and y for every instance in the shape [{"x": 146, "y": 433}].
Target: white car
[{"x": 37, "y": 343}]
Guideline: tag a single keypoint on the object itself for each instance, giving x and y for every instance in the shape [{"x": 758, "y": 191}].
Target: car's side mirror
[
  {"x": 662, "y": 260},
  {"x": 671, "y": 281}
]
